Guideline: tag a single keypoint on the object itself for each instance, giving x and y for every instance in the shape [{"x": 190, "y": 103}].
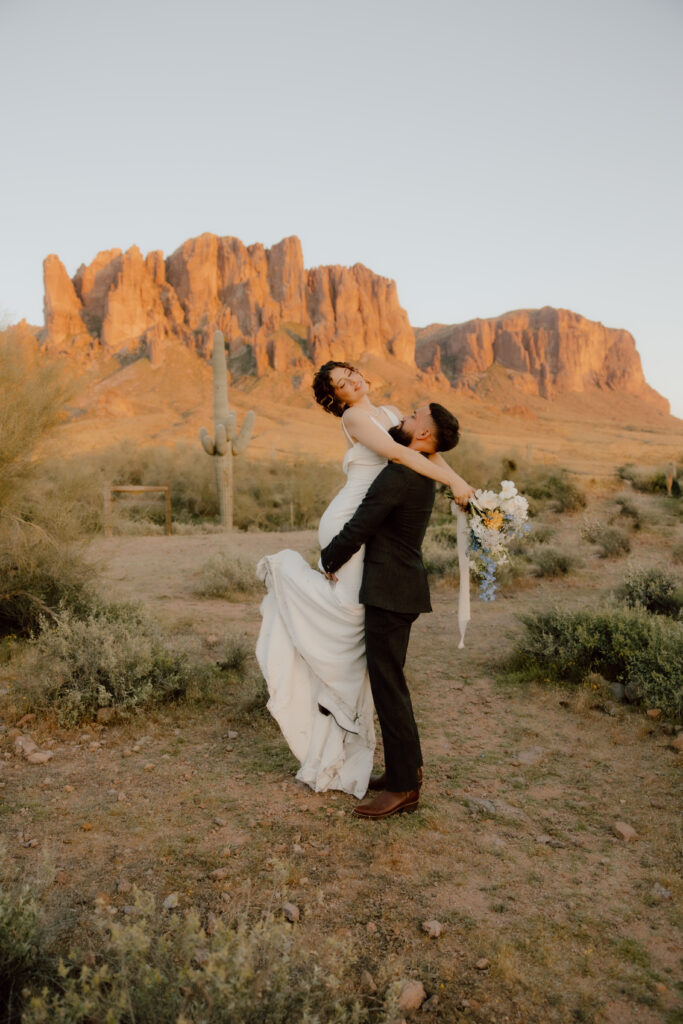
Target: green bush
[
  {"x": 229, "y": 577},
  {"x": 610, "y": 540},
  {"x": 652, "y": 589},
  {"x": 39, "y": 568},
  {"x": 237, "y": 651},
  {"x": 647, "y": 481},
  {"x": 540, "y": 534},
  {"x": 283, "y": 495},
  {"x": 167, "y": 969},
  {"x": 482, "y": 468},
  {"x": 552, "y": 562},
  {"x": 623, "y": 644},
  {"x": 114, "y": 657},
  {"x": 553, "y": 488},
  {"x": 38, "y": 575},
  {"x": 440, "y": 551},
  {"x": 629, "y": 512},
  {"x": 33, "y": 394},
  {"x": 20, "y": 942}
]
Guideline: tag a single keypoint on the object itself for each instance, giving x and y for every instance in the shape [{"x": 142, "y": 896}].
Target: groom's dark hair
[{"x": 447, "y": 427}]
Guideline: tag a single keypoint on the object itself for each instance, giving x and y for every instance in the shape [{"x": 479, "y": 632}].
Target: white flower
[
  {"x": 507, "y": 490},
  {"x": 486, "y": 499},
  {"x": 517, "y": 506}
]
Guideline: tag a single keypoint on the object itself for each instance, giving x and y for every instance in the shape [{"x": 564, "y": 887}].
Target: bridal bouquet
[{"x": 495, "y": 520}]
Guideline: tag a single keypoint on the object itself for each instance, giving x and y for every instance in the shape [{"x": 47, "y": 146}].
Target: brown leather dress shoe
[
  {"x": 380, "y": 781},
  {"x": 386, "y": 804}
]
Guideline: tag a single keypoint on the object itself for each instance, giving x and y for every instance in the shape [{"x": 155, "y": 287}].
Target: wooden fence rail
[{"x": 132, "y": 489}]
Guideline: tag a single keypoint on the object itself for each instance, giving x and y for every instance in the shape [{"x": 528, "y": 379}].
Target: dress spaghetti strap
[{"x": 348, "y": 436}]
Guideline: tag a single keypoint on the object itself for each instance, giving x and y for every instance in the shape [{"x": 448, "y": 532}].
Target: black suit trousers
[{"x": 386, "y": 642}]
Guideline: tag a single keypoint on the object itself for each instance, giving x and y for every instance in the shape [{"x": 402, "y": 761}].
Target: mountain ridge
[{"x": 277, "y": 315}]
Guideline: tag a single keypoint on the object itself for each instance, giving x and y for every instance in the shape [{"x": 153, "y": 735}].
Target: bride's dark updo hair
[{"x": 323, "y": 389}]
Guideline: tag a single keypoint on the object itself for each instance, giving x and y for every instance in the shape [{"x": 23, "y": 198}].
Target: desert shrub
[
  {"x": 539, "y": 534},
  {"x": 647, "y": 481},
  {"x": 166, "y": 968},
  {"x": 628, "y": 511},
  {"x": 33, "y": 394},
  {"x": 20, "y": 946},
  {"x": 237, "y": 651},
  {"x": 39, "y": 574},
  {"x": 623, "y": 644},
  {"x": 653, "y": 589},
  {"x": 282, "y": 495},
  {"x": 553, "y": 487},
  {"x": 439, "y": 561},
  {"x": 39, "y": 569},
  {"x": 80, "y": 480},
  {"x": 610, "y": 540},
  {"x": 552, "y": 562},
  {"x": 439, "y": 550},
  {"x": 228, "y": 576},
  {"x": 114, "y": 657},
  {"x": 482, "y": 468}
]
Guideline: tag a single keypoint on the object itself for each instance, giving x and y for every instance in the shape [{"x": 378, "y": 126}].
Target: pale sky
[{"x": 486, "y": 154}]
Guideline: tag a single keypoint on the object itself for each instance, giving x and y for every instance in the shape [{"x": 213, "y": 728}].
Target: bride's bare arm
[{"x": 363, "y": 429}]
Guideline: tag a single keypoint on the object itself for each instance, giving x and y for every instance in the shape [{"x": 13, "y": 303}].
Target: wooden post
[
  {"x": 168, "y": 510},
  {"x": 107, "y": 518}
]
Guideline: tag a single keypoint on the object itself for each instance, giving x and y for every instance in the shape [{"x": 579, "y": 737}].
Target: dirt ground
[{"x": 548, "y": 916}]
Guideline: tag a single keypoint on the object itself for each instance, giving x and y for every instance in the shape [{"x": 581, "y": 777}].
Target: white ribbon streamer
[{"x": 462, "y": 533}]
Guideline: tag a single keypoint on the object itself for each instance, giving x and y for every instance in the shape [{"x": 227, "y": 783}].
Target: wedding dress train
[{"x": 311, "y": 648}]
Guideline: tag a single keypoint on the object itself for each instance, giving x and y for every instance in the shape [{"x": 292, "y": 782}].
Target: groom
[{"x": 391, "y": 521}]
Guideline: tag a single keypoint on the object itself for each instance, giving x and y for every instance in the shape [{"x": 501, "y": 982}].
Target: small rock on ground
[
  {"x": 411, "y": 995},
  {"x": 39, "y": 757},
  {"x": 433, "y": 928},
  {"x": 25, "y": 745},
  {"x": 291, "y": 912},
  {"x": 624, "y": 831},
  {"x": 481, "y": 805},
  {"x": 367, "y": 983}
]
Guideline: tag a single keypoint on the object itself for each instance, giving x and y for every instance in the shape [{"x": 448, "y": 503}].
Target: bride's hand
[{"x": 462, "y": 492}]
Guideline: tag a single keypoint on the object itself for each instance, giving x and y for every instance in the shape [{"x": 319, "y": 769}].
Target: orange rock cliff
[{"x": 276, "y": 315}]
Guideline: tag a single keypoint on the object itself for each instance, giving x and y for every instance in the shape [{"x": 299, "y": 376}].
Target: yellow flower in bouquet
[{"x": 494, "y": 521}]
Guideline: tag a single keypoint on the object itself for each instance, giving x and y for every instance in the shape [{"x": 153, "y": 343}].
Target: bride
[{"x": 311, "y": 646}]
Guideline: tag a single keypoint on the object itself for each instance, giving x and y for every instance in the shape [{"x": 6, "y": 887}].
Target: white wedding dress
[{"x": 311, "y": 647}]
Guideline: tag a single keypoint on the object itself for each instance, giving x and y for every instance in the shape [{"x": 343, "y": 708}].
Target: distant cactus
[{"x": 226, "y": 442}]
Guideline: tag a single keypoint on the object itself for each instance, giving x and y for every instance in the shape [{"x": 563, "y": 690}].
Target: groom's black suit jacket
[{"x": 391, "y": 521}]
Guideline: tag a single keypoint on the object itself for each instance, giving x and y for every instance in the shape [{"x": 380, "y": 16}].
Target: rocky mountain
[
  {"x": 277, "y": 315},
  {"x": 548, "y": 352},
  {"x": 274, "y": 313}
]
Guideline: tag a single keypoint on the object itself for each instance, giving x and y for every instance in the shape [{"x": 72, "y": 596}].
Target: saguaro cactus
[{"x": 226, "y": 441}]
